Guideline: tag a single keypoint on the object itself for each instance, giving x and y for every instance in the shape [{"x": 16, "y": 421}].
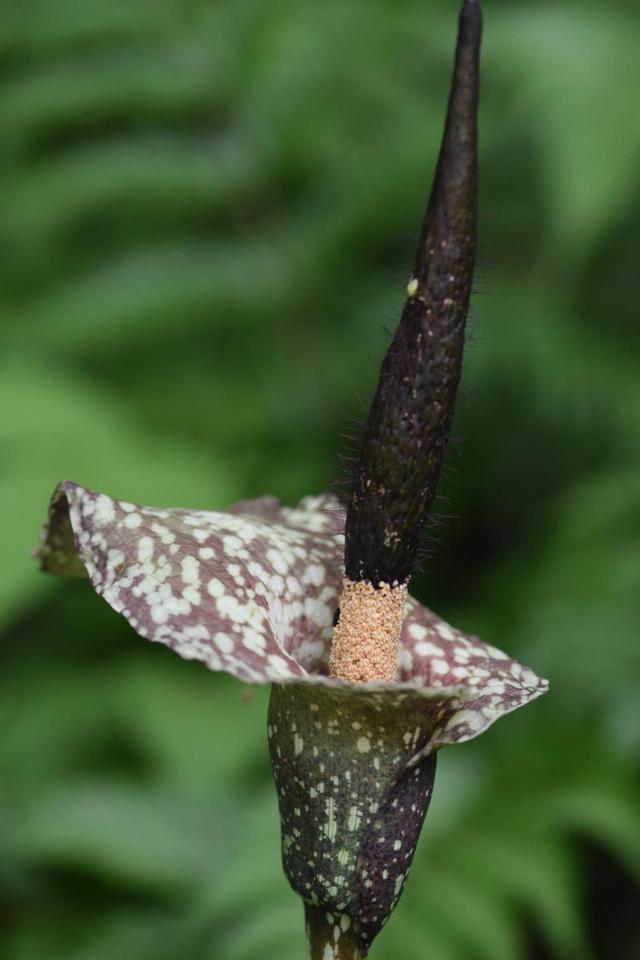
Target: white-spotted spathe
[{"x": 253, "y": 591}]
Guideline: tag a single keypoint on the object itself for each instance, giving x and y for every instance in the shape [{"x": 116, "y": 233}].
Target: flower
[
  {"x": 253, "y": 591},
  {"x": 358, "y": 712}
]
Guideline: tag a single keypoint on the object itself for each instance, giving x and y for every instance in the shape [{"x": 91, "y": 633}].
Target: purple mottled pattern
[{"x": 253, "y": 591}]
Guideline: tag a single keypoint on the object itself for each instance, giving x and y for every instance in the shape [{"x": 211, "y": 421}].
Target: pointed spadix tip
[
  {"x": 470, "y": 22},
  {"x": 471, "y": 8}
]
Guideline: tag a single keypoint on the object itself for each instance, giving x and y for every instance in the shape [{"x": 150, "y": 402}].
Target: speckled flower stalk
[{"x": 254, "y": 591}]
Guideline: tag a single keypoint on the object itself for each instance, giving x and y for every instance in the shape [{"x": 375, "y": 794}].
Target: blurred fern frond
[{"x": 209, "y": 211}]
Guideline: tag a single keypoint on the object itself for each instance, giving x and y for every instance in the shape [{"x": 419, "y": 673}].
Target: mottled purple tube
[{"x": 408, "y": 427}]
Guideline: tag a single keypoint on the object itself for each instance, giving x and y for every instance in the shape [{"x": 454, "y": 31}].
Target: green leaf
[
  {"x": 146, "y": 839},
  {"x": 62, "y": 426}
]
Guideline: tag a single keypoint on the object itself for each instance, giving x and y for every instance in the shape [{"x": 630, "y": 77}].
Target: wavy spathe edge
[{"x": 252, "y": 592}]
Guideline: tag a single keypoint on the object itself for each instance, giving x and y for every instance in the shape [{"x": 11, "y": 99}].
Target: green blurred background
[{"x": 209, "y": 210}]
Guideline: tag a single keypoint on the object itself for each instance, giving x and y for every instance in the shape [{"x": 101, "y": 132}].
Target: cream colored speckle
[
  {"x": 354, "y": 818},
  {"x": 191, "y": 595},
  {"x": 331, "y": 826},
  {"x": 427, "y": 649},
  {"x": 440, "y": 666},
  {"x": 215, "y": 587},
  {"x": 223, "y": 642},
  {"x": 145, "y": 549},
  {"x": 104, "y": 511}
]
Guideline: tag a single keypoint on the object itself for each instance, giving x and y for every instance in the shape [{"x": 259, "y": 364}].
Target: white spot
[
  {"x": 223, "y": 642},
  {"x": 298, "y": 744},
  {"x": 460, "y": 673},
  {"x": 405, "y": 660},
  {"x": 228, "y": 606},
  {"x": 412, "y": 287},
  {"x": 280, "y": 665},
  {"x": 277, "y": 561},
  {"x": 354, "y": 818},
  {"x": 132, "y": 520},
  {"x": 427, "y": 649},
  {"x": 191, "y": 595},
  {"x": 440, "y": 666},
  {"x": 163, "y": 532},
  {"x": 206, "y": 553},
  {"x": 470, "y": 718},
  {"x": 215, "y": 587},
  {"x": 190, "y": 570},
  {"x": 104, "y": 512},
  {"x": 145, "y": 549},
  {"x": 159, "y": 614},
  {"x": 114, "y": 558},
  {"x": 293, "y": 585},
  {"x": 331, "y": 826},
  {"x": 253, "y": 640},
  {"x": 363, "y": 745},
  {"x": 314, "y": 574},
  {"x": 232, "y": 544}
]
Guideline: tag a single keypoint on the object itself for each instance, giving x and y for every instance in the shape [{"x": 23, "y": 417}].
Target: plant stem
[{"x": 331, "y": 936}]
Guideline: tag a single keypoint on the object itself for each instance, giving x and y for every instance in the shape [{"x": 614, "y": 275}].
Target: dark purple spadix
[{"x": 407, "y": 430}]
